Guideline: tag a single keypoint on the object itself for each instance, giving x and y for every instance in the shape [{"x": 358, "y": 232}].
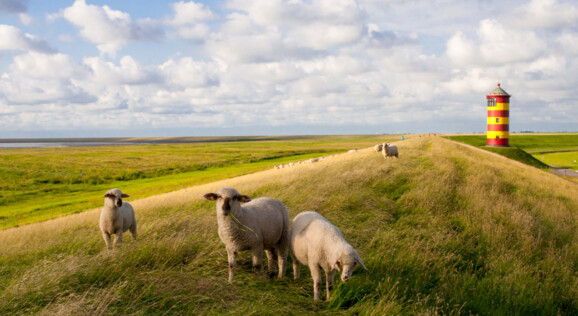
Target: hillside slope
[{"x": 444, "y": 229}]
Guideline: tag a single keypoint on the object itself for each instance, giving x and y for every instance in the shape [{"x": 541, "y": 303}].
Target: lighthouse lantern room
[{"x": 498, "y": 118}]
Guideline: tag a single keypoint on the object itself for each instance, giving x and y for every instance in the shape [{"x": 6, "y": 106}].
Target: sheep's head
[
  {"x": 114, "y": 196},
  {"x": 228, "y": 200},
  {"x": 347, "y": 263}
]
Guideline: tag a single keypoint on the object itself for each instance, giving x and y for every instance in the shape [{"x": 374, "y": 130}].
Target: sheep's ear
[
  {"x": 358, "y": 259},
  {"x": 108, "y": 195},
  {"x": 211, "y": 196},
  {"x": 125, "y": 195},
  {"x": 244, "y": 198}
]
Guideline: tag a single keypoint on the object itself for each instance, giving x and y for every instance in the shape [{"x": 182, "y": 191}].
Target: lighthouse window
[
  {"x": 497, "y": 120},
  {"x": 497, "y": 137},
  {"x": 492, "y": 102}
]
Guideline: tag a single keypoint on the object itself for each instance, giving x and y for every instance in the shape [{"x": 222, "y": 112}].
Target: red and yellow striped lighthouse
[{"x": 498, "y": 117}]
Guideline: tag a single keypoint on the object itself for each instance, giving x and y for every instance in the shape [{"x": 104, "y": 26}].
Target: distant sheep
[
  {"x": 311, "y": 160},
  {"x": 260, "y": 224},
  {"x": 116, "y": 217},
  {"x": 318, "y": 244},
  {"x": 389, "y": 151},
  {"x": 378, "y": 147},
  {"x": 352, "y": 151}
]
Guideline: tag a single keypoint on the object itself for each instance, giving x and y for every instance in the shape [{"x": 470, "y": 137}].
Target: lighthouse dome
[{"x": 498, "y": 91}]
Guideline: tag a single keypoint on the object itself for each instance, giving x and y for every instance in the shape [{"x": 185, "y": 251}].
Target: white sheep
[
  {"x": 378, "y": 147},
  {"x": 260, "y": 224},
  {"x": 318, "y": 244},
  {"x": 352, "y": 151},
  {"x": 389, "y": 151},
  {"x": 116, "y": 217}
]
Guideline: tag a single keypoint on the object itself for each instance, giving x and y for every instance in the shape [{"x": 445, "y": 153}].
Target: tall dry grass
[{"x": 445, "y": 229}]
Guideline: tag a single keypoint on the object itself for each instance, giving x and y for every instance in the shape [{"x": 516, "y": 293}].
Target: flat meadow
[
  {"x": 555, "y": 149},
  {"x": 445, "y": 229},
  {"x": 43, "y": 183}
]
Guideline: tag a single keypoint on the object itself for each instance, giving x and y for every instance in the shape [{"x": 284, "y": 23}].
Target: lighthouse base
[{"x": 504, "y": 142}]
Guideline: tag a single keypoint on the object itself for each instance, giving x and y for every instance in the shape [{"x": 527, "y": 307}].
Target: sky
[{"x": 133, "y": 68}]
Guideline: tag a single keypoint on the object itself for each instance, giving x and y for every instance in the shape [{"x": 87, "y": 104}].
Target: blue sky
[{"x": 269, "y": 67}]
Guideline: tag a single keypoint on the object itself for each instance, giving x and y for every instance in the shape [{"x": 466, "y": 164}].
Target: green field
[
  {"x": 43, "y": 183},
  {"x": 444, "y": 230},
  {"x": 556, "y": 150}
]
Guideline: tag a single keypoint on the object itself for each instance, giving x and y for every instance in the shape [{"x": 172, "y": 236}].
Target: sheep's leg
[
  {"x": 270, "y": 261},
  {"x": 133, "y": 231},
  {"x": 118, "y": 239},
  {"x": 316, "y": 276},
  {"x": 257, "y": 254},
  {"x": 106, "y": 237},
  {"x": 232, "y": 257},
  {"x": 282, "y": 261},
  {"x": 296, "y": 268},
  {"x": 329, "y": 277}
]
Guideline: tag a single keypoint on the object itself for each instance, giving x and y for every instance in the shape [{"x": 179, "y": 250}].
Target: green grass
[
  {"x": 442, "y": 230},
  {"x": 540, "y": 151},
  {"x": 567, "y": 160},
  {"x": 528, "y": 142},
  {"x": 43, "y": 183}
]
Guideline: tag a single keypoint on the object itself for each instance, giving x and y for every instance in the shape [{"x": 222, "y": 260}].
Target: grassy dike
[{"x": 446, "y": 229}]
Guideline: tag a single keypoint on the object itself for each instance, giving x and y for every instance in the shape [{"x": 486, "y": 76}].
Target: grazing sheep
[
  {"x": 389, "y": 151},
  {"x": 116, "y": 217},
  {"x": 260, "y": 224},
  {"x": 318, "y": 244},
  {"x": 378, "y": 147}
]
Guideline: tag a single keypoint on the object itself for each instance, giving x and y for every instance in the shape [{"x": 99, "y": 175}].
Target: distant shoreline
[
  {"x": 164, "y": 140},
  {"x": 13, "y": 143}
]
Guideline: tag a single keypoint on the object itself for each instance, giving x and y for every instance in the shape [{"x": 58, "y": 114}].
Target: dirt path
[{"x": 564, "y": 172}]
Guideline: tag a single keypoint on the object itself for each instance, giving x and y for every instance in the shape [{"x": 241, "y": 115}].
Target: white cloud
[
  {"x": 503, "y": 45},
  {"x": 188, "y": 20},
  {"x": 569, "y": 43},
  {"x": 496, "y": 44},
  {"x": 43, "y": 66},
  {"x": 547, "y": 14},
  {"x": 36, "y": 79},
  {"x": 265, "y": 31},
  {"x": 14, "y": 39},
  {"x": 296, "y": 13},
  {"x": 128, "y": 71},
  {"x": 264, "y": 46},
  {"x": 188, "y": 73},
  {"x": 25, "y": 18},
  {"x": 461, "y": 50},
  {"x": 110, "y": 29},
  {"x": 322, "y": 36},
  {"x": 47, "y": 93}
]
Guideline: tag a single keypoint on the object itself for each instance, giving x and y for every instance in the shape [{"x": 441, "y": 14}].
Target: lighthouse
[{"x": 498, "y": 118}]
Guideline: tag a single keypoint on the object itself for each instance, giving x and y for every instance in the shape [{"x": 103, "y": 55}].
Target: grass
[
  {"x": 566, "y": 160},
  {"x": 442, "y": 230},
  {"x": 43, "y": 183},
  {"x": 540, "y": 151}
]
